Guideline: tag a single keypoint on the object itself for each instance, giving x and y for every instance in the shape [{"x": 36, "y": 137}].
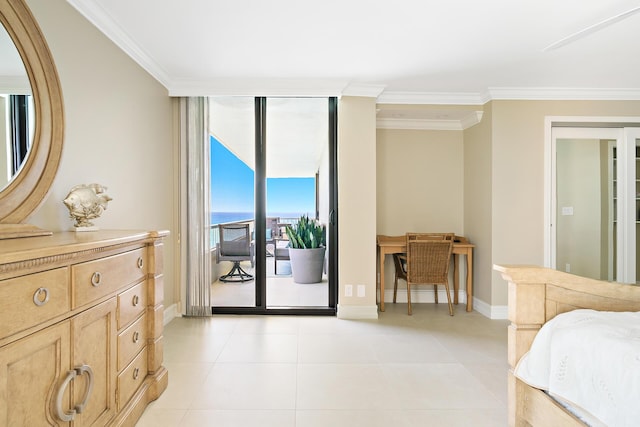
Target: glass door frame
[
  {"x": 260, "y": 110},
  {"x": 625, "y": 131}
]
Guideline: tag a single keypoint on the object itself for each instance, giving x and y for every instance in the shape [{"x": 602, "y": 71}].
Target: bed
[{"x": 536, "y": 295}]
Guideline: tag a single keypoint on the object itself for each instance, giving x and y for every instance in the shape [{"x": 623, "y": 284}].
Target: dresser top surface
[{"x": 13, "y": 250}]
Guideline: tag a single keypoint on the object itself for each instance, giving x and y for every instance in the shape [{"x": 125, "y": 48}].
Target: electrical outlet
[
  {"x": 567, "y": 268},
  {"x": 348, "y": 290},
  {"x": 361, "y": 289},
  {"x": 567, "y": 210}
]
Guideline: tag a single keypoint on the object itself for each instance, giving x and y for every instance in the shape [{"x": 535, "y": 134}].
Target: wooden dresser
[{"x": 81, "y": 321}]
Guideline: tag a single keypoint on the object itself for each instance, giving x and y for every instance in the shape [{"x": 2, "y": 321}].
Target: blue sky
[{"x": 232, "y": 187}]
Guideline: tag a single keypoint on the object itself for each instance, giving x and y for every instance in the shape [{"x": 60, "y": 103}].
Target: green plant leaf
[{"x": 307, "y": 234}]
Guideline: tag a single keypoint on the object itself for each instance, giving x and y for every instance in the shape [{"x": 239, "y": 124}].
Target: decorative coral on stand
[{"x": 86, "y": 202}]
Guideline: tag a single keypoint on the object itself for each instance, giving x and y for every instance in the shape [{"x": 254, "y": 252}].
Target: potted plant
[{"x": 307, "y": 245}]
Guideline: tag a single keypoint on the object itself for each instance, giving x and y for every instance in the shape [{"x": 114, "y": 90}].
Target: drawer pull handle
[
  {"x": 41, "y": 297},
  {"x": 71, "y": 375},
  {"x": 95, "y": 278},
  {"x": 86, "y": 370},
  {"x": 135, "y": 300},
  {"x": 136, "y": 373},
  {"x": 136, "y": 337},
  {"x": 140, "y": 262}
]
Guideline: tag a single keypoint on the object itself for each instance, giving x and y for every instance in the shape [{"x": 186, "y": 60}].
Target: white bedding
[{"x": 589, "y": 360}]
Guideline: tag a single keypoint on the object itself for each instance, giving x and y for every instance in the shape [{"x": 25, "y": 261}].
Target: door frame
[
  {"x": 260, "y": 106},
  {"x": 622, "y": 129}
]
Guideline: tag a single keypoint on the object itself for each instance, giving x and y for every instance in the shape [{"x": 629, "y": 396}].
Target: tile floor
[
  {"x": 428, "y": 369},
  {"x": 281, "y": 290}
]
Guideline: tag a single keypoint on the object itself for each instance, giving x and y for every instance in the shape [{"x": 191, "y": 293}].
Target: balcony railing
[{"x": 214, "y": 230}]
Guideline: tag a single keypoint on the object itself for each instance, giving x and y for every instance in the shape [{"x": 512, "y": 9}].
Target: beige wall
[
  {"x": 477, "y": 201},
  {"x": 419, "y": 180},
  {"x": 357, "y": 201},
  {"x": 518, "y": 176},
  {"x": 419, "y": 183},
  {"x": 118, "y": 131}
]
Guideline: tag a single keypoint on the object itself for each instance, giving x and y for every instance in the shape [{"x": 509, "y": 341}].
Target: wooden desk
[{"x": 387, "y": 245}]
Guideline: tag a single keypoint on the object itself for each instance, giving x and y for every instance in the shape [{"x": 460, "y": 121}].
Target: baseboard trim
[
  {"x": 419, "y": 296},
  {"x": 357, "y": 312},
  {"x": 423, "y": 296},
  {"x": 170, "y": 313},
  {"x": 490, "y": 311},
  {"x": 371, "y": 312}
]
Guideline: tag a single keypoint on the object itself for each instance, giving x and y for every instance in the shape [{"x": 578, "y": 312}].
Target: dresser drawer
[
  {"x": 131, "y": 341},
  {"x": 130, "y": 379},
  {"x": 131, "y": 303},
  {"x": 95, "y": 279},
  {"x": 29, "y": 300}
]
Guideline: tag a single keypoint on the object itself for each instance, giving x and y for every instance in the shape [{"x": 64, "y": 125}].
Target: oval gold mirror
[{"x": 28, "y": 189}]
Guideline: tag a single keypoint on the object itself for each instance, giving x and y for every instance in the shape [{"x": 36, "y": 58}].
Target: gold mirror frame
[{"x": 29, "y": 188}]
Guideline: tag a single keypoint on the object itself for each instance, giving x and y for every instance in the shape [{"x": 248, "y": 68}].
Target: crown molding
[
  {"x": 366, "y": 90},
  {"x": 433, "y": 98},
  {"x": 259, "y": 87},
  {"x": 335, "y": 87},
  {"x": 418, "y": 124},
  {"x": 274, "y": 87},
  {"x": 510, "y": 93},
  {"x": 562, "y": 94},
  {"x": 103, "y": 21},
  {"x": 471, "y": 119}
]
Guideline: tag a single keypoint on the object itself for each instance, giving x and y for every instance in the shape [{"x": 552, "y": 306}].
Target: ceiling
[
  {"x": 297, "y": 133},
  {"x": 430, "y": 64},
  {"x": 462, "y": 52}
]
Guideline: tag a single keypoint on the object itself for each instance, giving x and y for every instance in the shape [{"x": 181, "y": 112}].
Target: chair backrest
[
  {"x": 272, "y": 228},
  {"x": 430, "y": 236},
  {"x": 235, "y": 240},
  {"x": 399, "y": 265},
  {"x": 428, "y": 261}
]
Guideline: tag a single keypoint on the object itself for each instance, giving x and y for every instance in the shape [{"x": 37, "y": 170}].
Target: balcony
[{"x": 282, "y": 291}]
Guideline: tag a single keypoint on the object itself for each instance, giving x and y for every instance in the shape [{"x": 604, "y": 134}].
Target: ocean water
[{"x": 222, "y": 217}]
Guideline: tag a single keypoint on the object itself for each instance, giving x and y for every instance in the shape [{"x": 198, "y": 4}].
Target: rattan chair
[
  {"x": 430, "y": 236},
  {"x": 235, "y": 246},
  {"x": 400, "y": 263},
  {"x": 427, "y": 262}
]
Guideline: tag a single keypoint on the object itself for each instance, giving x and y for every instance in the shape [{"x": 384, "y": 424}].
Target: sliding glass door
[
  {"x": 272, "y": 162},
  {"x": 297, "y": 184},
  {"x": 232, "y": 167}
]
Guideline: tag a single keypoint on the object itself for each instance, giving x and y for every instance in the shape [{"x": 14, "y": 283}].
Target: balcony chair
[
  {"x": 427, "y": 262},
  {"x": 235, "y": 246},
  {"x": 272, "y": 234},
  {"x": 281, "y": 253}
]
